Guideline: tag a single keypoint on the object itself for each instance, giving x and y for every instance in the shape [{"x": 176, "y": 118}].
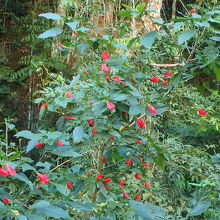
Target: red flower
[
  {"x": 39, "y": 144},
  {"x": 140, "y": 123},
  {"x": 91, "y": 122},
  {"x": 88, "y": 172},
  {"x": 104, "y": 160},
  {"x": 164, "y": 83},
  {"x": 94, "y": 130},
  {"x": 137, "y": 175},
  {"x": 129, "y": 162},
  {"x": 3, "y": 172},
  {"x": 201, "y": 112},
  {"x": 192, "y": 11},
  {"x": 167, "y": 74},
  {"x": 105, "y": 56},
  {"x": 100, "y": 176},
  {"x": 105, "y": 68},
  {"x": 154, "y": 79},
  {"x": 59, "y": 143},
  {"x": 6, "y": 200},
  {"x": 139, "y": 142},
  {"x": 152, "y": 109},
  {"x": 146, "y": 165},
  {"x": 76, "y": 34},
  {"x": 107, "y": 187},
  {"x": 140, "y": 158},
  {"x": 107, "y": 180},
  {"x": 147, "y": 184},
  {"x": 69, "y": 185},
  {"x": 111, "y": 137},
  {"x": 110, "y": 105},
  {"x": 116, "y": 78},
  {"x": 107, "y": 78},
  {"x": 86, "y": 72},
  {"x": 124, "y": 82},
  {"x": 137, "y": 197},
  {"x": 69, "y": 118},
  {"x": 69, "y": 95},
  {"x": 43, "y": 106},
  {"x": 125, "y": 194},
  {"x": 121, "y": 183},
  {"x": 43, "y": 179},
  {"x": 61, "y": 45},
  {"x": 10, "y": 170}
]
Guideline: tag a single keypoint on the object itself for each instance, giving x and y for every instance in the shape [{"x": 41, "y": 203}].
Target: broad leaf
[
  {"x": 50, "y": 15},
  {"x": 136, "y": 109},
  {"x": 31, "y": 145},
  {"x": 186, "y": 35},
  {"x": 201, "y": 206},
  {"x": 148, "y": 39},
  {"x": 65, "y": 152},
  {"x": 53, "y": 32},
  {"x": 24, "y": 179},
  {"x": 78, "y": 134},
  {"x": 27, "y": 134},
  {"x": 73, "y": 25},
  {"x": 88, "y": 207}
]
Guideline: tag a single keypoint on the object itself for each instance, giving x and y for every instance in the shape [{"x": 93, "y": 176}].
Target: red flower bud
[
  {"x": 167, "y": 74},
  {"x": 107, "y": 187},
  {"x": 152, "y": 109},
  {"x": 43, "y": 106},
  {"x": 59, "y": 143},
  {"x": 137, "y": 175},
  {"x": 43, "y": 179},
  {"x": 104, "y": 160},
  {"x": 39, "y": 144},
  {"x": 154, "y": 79},
  {"x": 110, "y": 105},
  {"x": 125, "y": 194},
  {"x": 88, "y": 172},
  {"x": 111, "y": 137},
  {"x": 107, "y": 78},
  {"x": 10, "y": 170},
  {"x": 201, "y": 112},
  {"x": 37, "y": 186},
  {"x": 69, "y": 118},
  {"x": 121, "y": 183},
  {"x": 139, "y": 142},
  {"x": 105, "y": 56},
  {"x": 129, "y": 162},
  {"x": 192, "y": 11},
  {"x": 86, "y": 72},
  {"x": 69, "y": 95},
  {"x": 105, "y": 68},
  {"x": 146, "y": 165},
  {"x": 147, "y": 184},
  {"x": 91, "y": 122},
  {"x": 3, "y": 172},
  {"x": 94, "y": 130},
  {"x": 69, "y": 185},
  {"x": 100, "y": 176},
  {"x": 164, "y": 83},
  {"x": 107, "y": 180},
  {"x": 76, "y": 34},
  {"x": 140, "y": 123},
  {"x": 6, "y": 200},
  {"x": 116, "y": 78},
  {"x": 137, "y": 197}
]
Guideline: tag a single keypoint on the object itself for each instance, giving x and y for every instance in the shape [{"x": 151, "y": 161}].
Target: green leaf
[
  {"x": 22, "y": 177},
  {"x": 53, "y": 32},
  {"x": 88, "y": 207},
  {"x": 10, "y": 126},
  {"x": 126, "y": 6},
  {"x": 26, "y": 167},
  {"x": 34, "y": 217},
  {"x": 78, "y": 134},
  {"x": 66, "y": 151},
  {"x": 136, "y": 109},
  {"x": 31, "y": 145},
  {"x": 50, "y": 15},
  {"x": 62, "y": 189},
  {"x": 201, "y": 206},
  {"x": 161, "y": 161},
  {"x": 73, "y": 25},
  {"x": 140, "y": 7},
  {"x": 119, "y": 97},
  {"x": 148, "y": 39},
  {"x": 186, "y": 35},
  {"x": 27, "y": 134},
  {"x": 125, "y": 13}
]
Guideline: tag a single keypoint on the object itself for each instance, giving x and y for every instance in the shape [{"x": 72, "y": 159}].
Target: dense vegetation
[{"x": 110, "y": 110}]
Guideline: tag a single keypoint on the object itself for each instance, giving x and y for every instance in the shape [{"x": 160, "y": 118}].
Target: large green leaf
[
  {"x": 50, "y": 15},
  {"x": 148, "y": 39},
  {"x": 200, "y": 206},
  {"x": 62, "y": 189},
  {"x": 31, "y": 145},
  {"x": 78, "y": 134},
  {"x": 88, "y": 207},
  {"x": 53, "y": 32},
  {"x": 22, "y": 177},
  {"x": 27, "y": 134},
  {"x": 66, "y": 151},
  {"x": 136, "y": 109},
  {"x": 186, "y": 35},
  {"x": 73, "y": 25},
  {"x": 119, "y": 97}
]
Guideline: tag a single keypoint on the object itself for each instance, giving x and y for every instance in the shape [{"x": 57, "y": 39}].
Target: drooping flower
[
  {"x": 107, "y": 180},
  {"x": 121, "y": 183},
  {"x": 139, "y": 142},
  {"x": 91, "y": 122},
  {"x": 110, "y": 105},
  {"x": 76, "y": 34},
  {"x": 140, "y": 158},
  {"x": 124, "y": 82},
  {"x": 111, "y": 137},
  {"x": 59, "y": 143},
  {"x": 192, "y": 11},
  {"x": 129, "y": 162},
  {"x": 122, "y": 128},
  {"x": 107, "y": 78},
  {"x": 43, "y": 179},
  {"x": 105, "y": 68},
  {"x": 69, "y": 118},
  {"x": 86, "y": 72},
  {"x": 43, "y": 106},
  {"x": 146, "y": 165},
  {"x": 88, "y": 172},
  {"x": 152, "y": 110},
  {"x": 140, "y": 123},
  {"x": 154, "y": 79},
  {"x": 6, "y": 200},
  {"x": 100, "y": 176},
  {"x": 3, "y": 172},
  {"x": 105, "y": 56},
  {"x": 137, "y": 175},
  {"x": 137, "y": 197},
  {"x": 147, "y": 184},
  {"x": 61, "y": 45},
  {"x": 69, "y": 185},
  {"x": 125, "y": 194},
  {"x": 10, "y": 170},
  {"x": 104, "y": 160},
  {"x": 69, "y": 95},
  {"x": 201, "y": 112},
  {"x": 107, "y": 187},
  {"x": 94, "y": 130},
  {"x": 37, "y": 186},
  {"x": 116, "y": 78},
  {"x": 164, "y": 83},
  {"x": 39, "y": 144},
  {"x": 167, "y": 74}
]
